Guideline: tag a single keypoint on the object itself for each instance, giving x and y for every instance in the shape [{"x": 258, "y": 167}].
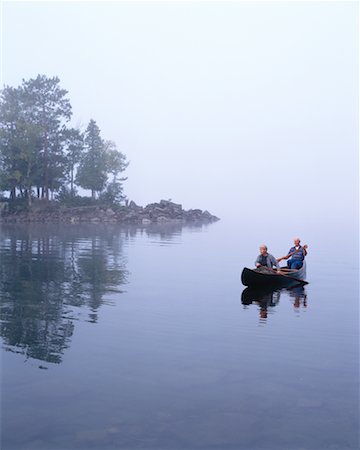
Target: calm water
[{"x": 144, "y": 339}]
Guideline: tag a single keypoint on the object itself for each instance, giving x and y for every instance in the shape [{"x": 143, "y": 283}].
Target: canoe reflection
[{"x": 269, "y": 298}]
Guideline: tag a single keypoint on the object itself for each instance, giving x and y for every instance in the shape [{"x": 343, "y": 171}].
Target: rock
[
  {"x": 4, "y": 208},
  {"x": 168, "y": 203},
  {"x": 162, "y": 212},
  {"x": 133, "y": 205},
  {"x": 163, "y": 219},
  {"x": 110, "y": 212}
]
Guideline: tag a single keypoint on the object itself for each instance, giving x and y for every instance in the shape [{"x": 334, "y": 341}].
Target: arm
[
  {"x": 257, "y": 262},
  {"x": 275, "y": 263},
  {"x": 285, "y": 257}
]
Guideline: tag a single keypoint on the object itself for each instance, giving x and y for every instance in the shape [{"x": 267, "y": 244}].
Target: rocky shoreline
[{"x": 163, "y": 212}]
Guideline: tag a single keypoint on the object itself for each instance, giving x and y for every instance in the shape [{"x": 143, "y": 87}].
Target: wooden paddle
[{"x": 293, "y": 253}]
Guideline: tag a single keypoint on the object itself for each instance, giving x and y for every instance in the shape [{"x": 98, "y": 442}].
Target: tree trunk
[
  {"x": 29, "y": 196},
  {"x": 46, "y": 161},
  {"x": 28, "y": 188},
  {"x": 72, "y": 183}
]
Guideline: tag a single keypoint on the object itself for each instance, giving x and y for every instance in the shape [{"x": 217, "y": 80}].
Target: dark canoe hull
[{"x": 253, "y": 278}]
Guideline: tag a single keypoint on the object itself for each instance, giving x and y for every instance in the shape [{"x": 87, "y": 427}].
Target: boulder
[
  {"x": 134, "y": 206},
  {"x": 162, "y": 219},
  {"x": 110, "y": 212}
]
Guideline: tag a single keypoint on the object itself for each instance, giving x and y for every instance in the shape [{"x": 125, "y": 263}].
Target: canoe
[{"x": 266, "y": 277}]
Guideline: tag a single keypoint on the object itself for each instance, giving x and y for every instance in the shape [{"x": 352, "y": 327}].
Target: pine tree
[
  {"x": 49, "y": 110},
  {"x": 116, "y": 163},
  {"x": 93, "y": 166},
  {"x": 74, "y": 152},
  {"x": 19, "y": 144},
  {"x": 38, "y": 150}
]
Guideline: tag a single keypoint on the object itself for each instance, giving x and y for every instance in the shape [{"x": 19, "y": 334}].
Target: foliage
[
  {"x": 40, "y": 155},
  {"x": 92, "y": 169},
  {"x": 74, "y": 145},
  {"x": 113, "y": 193}
]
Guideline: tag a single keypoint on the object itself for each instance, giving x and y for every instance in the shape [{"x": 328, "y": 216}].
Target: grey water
[{"x": 144, "y": 338}]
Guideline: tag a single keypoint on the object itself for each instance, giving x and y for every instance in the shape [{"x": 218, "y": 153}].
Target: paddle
[{"x": 293, "y": 253}]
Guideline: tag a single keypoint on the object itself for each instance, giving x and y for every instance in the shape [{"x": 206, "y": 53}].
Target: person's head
[
  {"x": 263, "y": 249},
  {"x": 297, "y": 241}
]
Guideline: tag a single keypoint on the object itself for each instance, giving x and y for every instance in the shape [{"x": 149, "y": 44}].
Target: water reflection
[
  {"x": 268, "y": 299},
  {"x": 299, "y": 296},
  {"x": 169, "y": 233},
  {"x": 52, "y": 276},
  {"x": 46, "y": 275}
]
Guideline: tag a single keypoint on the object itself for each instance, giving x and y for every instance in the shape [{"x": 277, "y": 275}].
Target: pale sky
[{"x": 241, "y": 108}]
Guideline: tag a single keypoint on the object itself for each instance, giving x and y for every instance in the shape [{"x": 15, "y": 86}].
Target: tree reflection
[
  {"x": 45, "y": 274},
  {"x": 53, "y": 275}
]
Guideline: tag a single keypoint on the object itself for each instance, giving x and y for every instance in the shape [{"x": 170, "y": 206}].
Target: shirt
[
  {"x": 270, "y": 261},
  {"x": 299, "y": 255}
]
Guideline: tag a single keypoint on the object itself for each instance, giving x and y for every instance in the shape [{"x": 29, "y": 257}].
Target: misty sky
[{"x": 235, "y": 107}]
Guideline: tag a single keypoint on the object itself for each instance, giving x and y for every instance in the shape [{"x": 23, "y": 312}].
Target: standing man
[
  {"x": 265, "y": 259},
  {"x": 297, "y": 254}
]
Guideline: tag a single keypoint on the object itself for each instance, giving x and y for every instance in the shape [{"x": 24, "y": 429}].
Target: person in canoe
[
  {"x": 265, "y": 259},
  {"x": 297, "y": 254}
]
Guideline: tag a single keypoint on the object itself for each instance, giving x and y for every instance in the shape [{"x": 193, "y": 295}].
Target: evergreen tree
[
  {"x": 49, "y": 110},
  {"x": 38, "y": 150},
  {"x": 116, "y": 163},
  {"x": 19, "y": 144},
  {"x": 74, "y": 151},
  {"x": 92, "y": 171}
]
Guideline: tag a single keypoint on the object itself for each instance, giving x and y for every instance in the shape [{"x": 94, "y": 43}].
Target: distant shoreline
[{"x": 163, "y": 212}]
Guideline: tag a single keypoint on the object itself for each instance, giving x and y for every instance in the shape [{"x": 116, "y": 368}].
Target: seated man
[
  {"x": 297, "y": 254},
  {"x": 265, "y": 259}
]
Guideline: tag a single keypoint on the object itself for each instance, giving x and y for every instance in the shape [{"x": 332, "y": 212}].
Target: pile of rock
[
  {"x": 166, "y": 211},
  {"x": 162, "y": 212}
]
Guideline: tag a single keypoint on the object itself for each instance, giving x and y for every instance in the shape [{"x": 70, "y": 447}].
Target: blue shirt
[{"x": 299, "y": 255}]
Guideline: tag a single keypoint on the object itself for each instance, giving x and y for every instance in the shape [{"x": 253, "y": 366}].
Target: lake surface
[{"x": 126, "y": 338}]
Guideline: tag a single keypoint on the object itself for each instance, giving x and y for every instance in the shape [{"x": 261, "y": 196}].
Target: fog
[{"x": 244, "y": 109}]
